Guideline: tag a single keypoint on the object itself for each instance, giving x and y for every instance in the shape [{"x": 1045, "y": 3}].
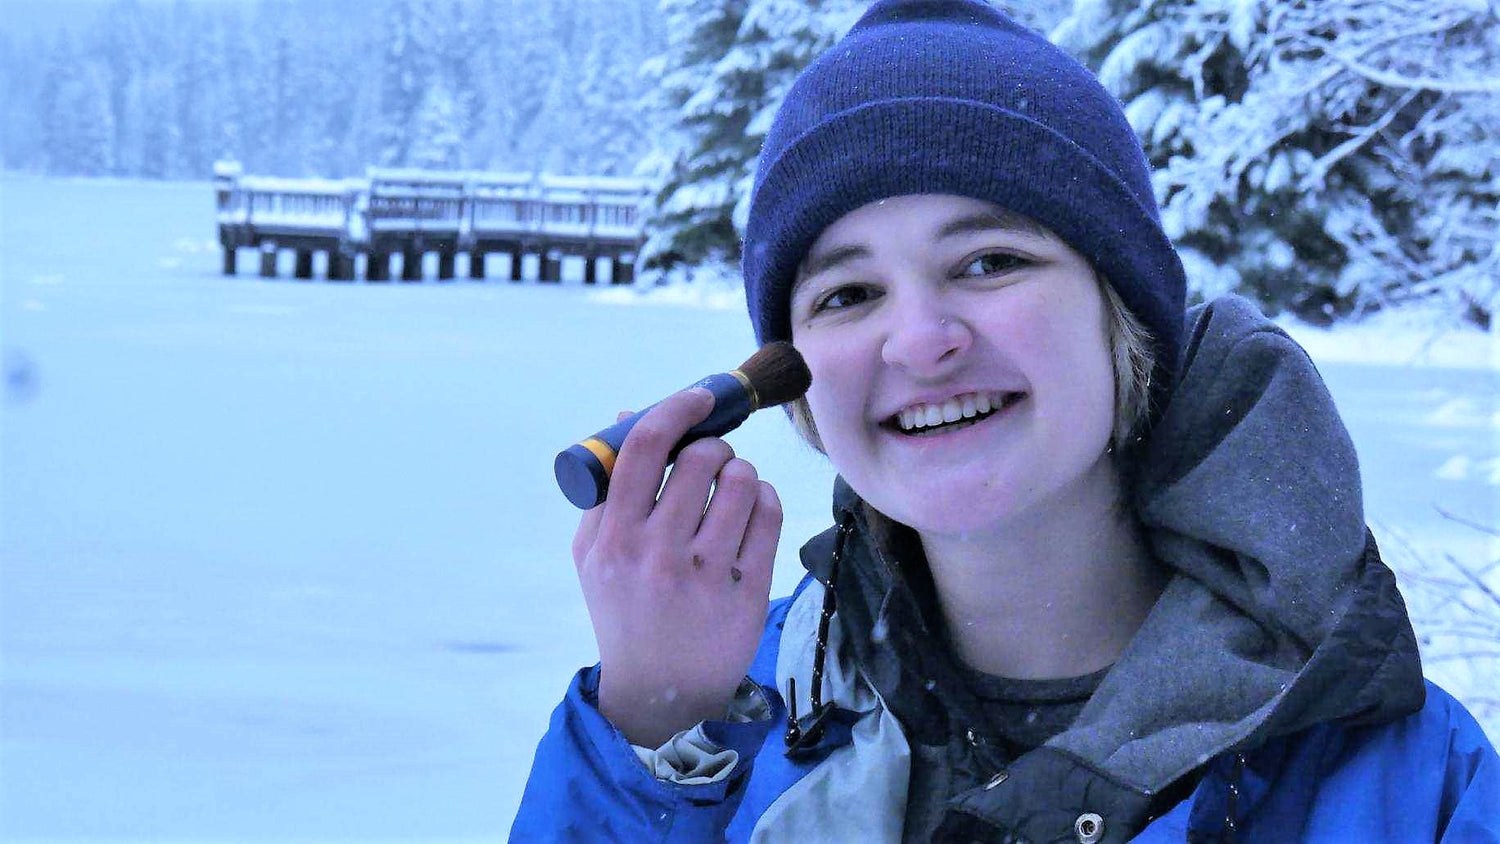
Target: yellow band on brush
[{"x": 601, "y": 450}]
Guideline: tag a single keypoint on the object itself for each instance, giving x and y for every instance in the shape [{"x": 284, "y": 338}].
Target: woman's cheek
[
  {"x": 1022, "y": 329},
  {"x": 829, "y": 374}
]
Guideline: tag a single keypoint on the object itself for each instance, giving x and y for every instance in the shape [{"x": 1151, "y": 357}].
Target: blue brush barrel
[{"x": 583, "y": 469}]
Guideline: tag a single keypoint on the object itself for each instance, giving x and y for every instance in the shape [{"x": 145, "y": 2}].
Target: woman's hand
[{"x": 676, "y": 585}]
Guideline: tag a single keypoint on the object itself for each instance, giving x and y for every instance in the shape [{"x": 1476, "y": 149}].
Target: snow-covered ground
[{"x": 285, "y": 560}]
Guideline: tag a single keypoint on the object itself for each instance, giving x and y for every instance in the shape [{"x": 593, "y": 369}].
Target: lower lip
[{"x": 958, "y": 435}]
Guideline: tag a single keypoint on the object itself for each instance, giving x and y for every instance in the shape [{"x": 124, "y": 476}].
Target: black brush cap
[{"x": 581, "y": 477}]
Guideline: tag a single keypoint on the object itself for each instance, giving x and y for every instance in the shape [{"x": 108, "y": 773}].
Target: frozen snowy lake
[{"x": 284, "y": 560}]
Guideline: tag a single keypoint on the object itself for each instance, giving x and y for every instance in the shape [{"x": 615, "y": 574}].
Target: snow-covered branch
[{"x": 1420, "y": 83}]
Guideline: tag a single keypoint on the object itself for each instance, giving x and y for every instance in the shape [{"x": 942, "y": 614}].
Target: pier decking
[{"x": 391, "y": 219}]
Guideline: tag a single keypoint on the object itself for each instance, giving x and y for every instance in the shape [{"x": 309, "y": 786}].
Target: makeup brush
[{"x": 776, "y": 374}]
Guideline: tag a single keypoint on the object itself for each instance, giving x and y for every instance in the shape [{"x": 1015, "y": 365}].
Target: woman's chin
[{"x": 951, "y": 508}]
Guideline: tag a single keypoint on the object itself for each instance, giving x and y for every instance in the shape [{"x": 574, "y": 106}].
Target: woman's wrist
[{"x": 648, "y": 717}]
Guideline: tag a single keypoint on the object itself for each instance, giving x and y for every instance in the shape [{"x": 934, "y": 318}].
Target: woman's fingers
[
  {"x": 758, "y": 550},
  {"x": 588, "y": 526},
  {"x": 642, "y": 463},
  {"x": 723, "y": 527},
  {"x": 679, "y": 510}
]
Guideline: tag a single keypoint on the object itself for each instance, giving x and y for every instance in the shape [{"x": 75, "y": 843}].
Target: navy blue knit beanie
[{"x": 953, "y": 97}]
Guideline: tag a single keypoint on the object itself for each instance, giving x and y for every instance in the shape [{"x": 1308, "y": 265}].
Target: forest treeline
[{"x": 326, "y": 88}]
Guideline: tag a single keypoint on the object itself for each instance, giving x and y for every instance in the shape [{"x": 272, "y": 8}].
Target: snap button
[
  {"x": 996, "y": 780},
  {"x": 1089, "y": 828}
]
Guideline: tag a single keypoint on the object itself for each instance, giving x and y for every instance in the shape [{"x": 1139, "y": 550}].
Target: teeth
[{"x": 952, "y": 410}]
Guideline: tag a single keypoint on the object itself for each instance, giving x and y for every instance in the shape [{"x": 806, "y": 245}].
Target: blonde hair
[{"x": 1131, "y": 350}]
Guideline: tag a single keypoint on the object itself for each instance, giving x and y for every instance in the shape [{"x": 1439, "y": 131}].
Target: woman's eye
[
  {"x": 850, "y": 297},
  {"x": 992, "y": 263}
]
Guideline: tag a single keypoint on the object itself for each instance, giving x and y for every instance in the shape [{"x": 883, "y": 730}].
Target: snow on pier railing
[{"x": 401, "y": 214}]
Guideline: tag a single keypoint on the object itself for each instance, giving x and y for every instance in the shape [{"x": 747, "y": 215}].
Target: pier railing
[{"x": 392, "y": 218}]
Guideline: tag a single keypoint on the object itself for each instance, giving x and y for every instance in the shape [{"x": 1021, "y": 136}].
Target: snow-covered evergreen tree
[
  {"x": 613, "y": 136},
  {"x": 777, "y": 39},
  {"x": 727, "y": 66},
  {"x": 161, "y": 142},
  {"x": 274, "y": 103},
  {"x": 122, "y": 39},
  {"x": 337, "y": 63},
  {"x": 19, "y": 86},
  {"x": 1318, "y": 156},
  {"x": 77, "y": 122},
  {"x": 456, "y": 63},
  {"x": 701, "y": 157},
  {"x": 438, "y": 136},
  {"x": 550, "y": 138},
  {"x": 518, "y": 60},
  {"x": 407, "y": 73},
  {"x": 193, "y": 71},
  {"x": 231, "y": 132}
]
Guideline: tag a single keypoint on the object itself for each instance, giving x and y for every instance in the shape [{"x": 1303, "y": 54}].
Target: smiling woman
[{"x": 1099, "y": 569}]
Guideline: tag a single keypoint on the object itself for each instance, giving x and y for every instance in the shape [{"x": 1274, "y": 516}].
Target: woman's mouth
[{"x": 917, "y": 425}]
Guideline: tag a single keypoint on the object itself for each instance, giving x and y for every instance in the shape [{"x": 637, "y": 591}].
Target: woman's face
[{"x": 917, "y": 304}]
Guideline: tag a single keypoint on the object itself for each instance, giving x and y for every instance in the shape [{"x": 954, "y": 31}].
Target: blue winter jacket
[
  {"x": 1278, "y": 668},
  {"x": 1432, "y": 776}
]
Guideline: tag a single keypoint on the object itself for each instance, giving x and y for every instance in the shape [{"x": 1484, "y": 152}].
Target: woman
[{"x": 1098, "y": 571}]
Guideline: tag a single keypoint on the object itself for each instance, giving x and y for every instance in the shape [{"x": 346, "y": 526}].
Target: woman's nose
[{"x": 925, "y": 340}]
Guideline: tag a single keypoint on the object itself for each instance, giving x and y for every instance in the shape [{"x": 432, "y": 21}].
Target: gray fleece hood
[{"x": 1279, "y": 613}]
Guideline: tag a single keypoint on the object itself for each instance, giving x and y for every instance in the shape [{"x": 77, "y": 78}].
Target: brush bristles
[{"x": 777, "y": 373}]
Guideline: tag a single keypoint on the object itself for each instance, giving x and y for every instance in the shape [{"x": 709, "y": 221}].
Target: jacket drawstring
[
  {"x": 803, "y": 733},
  {"x": 1231, "y": 808}
]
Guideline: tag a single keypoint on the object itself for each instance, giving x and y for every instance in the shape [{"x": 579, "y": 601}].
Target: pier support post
[
  {"x": 268, "y": 260},
  {"x": 304, "y": 264},
  {"x": 231, "y": 255},
  {"x": 411, "y": 265},
  {"x": 340, "y": 265},
  {"x": 476, "y": 264},
  {"x": 590, "y": 269},
  {"x": 445, "y": 265},
  {"x": 623, "y": 271},
  {"x": 551, "y": 266},
  {"x": 516, "y": 259},
  {"x": 378, "y": 266}
]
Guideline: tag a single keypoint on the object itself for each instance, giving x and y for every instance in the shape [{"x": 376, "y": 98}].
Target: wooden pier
[{"x": 384, "y": 225}]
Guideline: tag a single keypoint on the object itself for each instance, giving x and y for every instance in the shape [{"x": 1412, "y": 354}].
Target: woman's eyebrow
[
  {"x": 987, "y": 221},
  {"x": 984, "y": 221},
  {"x": 830, "y": 259}
]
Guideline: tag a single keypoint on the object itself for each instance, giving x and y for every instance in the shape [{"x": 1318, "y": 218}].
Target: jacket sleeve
[
  {"x": 587, "y": 782},
  {"x": 1431, "y": 776},
  {"x": 1471, "y": 786}
]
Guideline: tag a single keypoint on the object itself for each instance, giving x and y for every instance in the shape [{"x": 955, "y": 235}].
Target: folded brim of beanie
[{"x": 898, "y": 147}]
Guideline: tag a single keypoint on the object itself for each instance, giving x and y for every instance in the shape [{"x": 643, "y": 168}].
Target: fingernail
[{"x": 702, "y": 392}]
